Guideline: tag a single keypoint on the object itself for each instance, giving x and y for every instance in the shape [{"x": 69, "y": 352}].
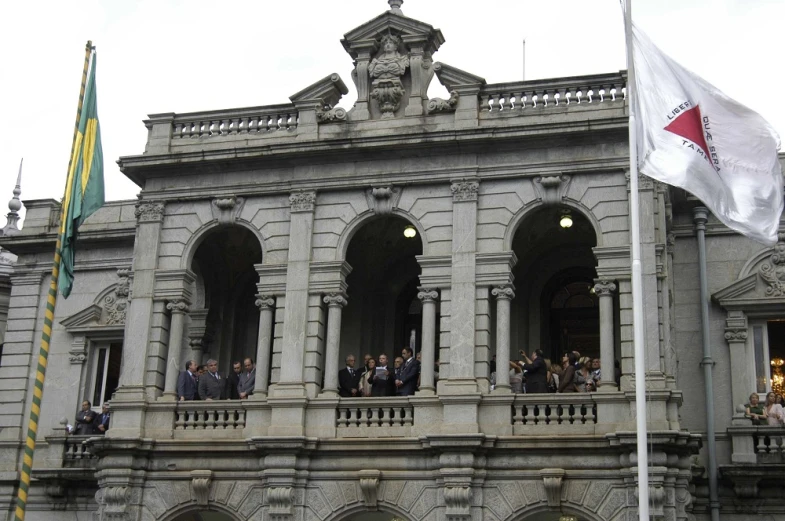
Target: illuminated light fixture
[
  {"x": 566, "y": 220},
  {"x": 409, "y": 232}
]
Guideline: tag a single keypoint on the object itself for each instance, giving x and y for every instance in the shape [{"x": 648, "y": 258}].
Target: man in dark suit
[
  {"x": 410, "y": 373},
  {"x": 349, "y": 379},
  {"x": 233, "y": 380},
  {"x": 85, "y": 420},
  {"x": 247, "y": 379},
  {"x": 383, "y": 383},
  {"x": 212, "y": 386},
  {"x": 536, "y": 372},
  {"x": 103, "y": 419},
  {"x": 187, "y": 382}
]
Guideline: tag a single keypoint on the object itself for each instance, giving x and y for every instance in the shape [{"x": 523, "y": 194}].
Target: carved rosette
[
  {"x": 200, "y": 486},
  {"x": 302, "y": 201},
  {"x": 369, "y": 485},
  {"x": 427, "y": 294},
  {"x": 773, "y": 271},
  {"x": 464, "y": 191},
  {"x": 604, "y": 288},
  {"x": 503, "y": 293},
  {"x": 177, "y": 306},
  {"x": 264, "y": 302},
  {"x": 149, "y": 212},
  {"x": 336, "y": 300}
]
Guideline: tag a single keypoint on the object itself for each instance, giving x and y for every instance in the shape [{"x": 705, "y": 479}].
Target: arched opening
[
  {"x": 383, "y": 314},
  {"x": 226, "y": 285},
  {"x": 555, "y": 308},
  {"x": 373, "y": 516},
  {"x": 203, "y": 515}
]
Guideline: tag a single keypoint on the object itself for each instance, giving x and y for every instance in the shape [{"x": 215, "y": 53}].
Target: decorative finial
[
  {"x": 14, "y": 205},
  {"x": 395, "y": 6}
]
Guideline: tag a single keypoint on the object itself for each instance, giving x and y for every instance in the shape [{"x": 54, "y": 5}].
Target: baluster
[
  {"x": 241, "y": 419},
  {"x": 341, "y": 417},
  {"x": 179, "y": 419},
  {"x": 528, "y": 414},
  {"x": 517, "y": 415},
  {"x": 546, "y": 97},
  {"x": 484, "y": 98},
  {"x": 408, "y": 418},
  {"x": 504, "y": 101},
  {"x": 553, "y": 414},
  {"x": 243, "y": 129},
  {"x": 494, "y": 107},
  {"x": 762, "y": 444}
]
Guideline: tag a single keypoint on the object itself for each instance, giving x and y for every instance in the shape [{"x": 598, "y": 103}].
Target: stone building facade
[{"x": 277, "y": 232}]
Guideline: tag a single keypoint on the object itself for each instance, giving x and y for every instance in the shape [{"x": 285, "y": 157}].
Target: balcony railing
[
  {"x": 257, "y": 121},
  {"x": 760, "y": 444},
  {"x": 554, "y": 413},
  {"x": 209, "y": 416},
  {"x": 374, "y": 417}
]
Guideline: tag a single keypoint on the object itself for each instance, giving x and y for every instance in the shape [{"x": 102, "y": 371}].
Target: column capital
[
  {"x": 178, "y": 306},
  {"x": 264, "y": 302},
  {"x": 504, "y": 292},
  {"x": 336, "y": 300},
  {"x": 302, "y": 201},
  {"x": 464, "y": 190},
  {"x": 427, "y": 294},
  {"x": 604, "y": 288},
  {"x": 149, "y": 211}
]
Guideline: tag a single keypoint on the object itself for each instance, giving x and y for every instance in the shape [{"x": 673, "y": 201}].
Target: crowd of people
[
  {"x": 378, "y": 378},
  {"x": 575, "y": 374},
  {"x": 204, "y": 382},
  {"x": 769, "y": 413}
]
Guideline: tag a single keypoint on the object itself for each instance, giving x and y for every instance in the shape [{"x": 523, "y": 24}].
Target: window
[
  {"x": 108, "y": 357},
  {"x": 768, "y": 352}
]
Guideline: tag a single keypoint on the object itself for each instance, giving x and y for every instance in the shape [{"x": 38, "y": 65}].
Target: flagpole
[
  {"x": 43, "y": 354},
  {"x": 637, "y": 285}
]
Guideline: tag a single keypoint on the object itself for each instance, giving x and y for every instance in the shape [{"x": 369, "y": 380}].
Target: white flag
[{"x": 693, "y": 136}]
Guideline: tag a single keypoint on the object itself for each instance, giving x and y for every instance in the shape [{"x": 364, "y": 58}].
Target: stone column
[
  {"x": 335, "y": 303},
  {"x": 742, "y": 374},
  {"x": 503, "y": 294},
  {"x": 464, "y": 238},
  {"x": 297, "y": 281},
  {"x": 266, "y": 305},
  {"x": 428, "y": 349},
  {"x": 178, "y": 308},
  {"x": 604, "y": 290}
]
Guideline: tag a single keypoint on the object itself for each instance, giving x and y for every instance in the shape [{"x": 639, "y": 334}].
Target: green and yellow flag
[{"x": 84, "y": 193}]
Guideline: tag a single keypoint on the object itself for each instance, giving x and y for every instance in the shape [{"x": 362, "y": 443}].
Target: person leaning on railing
[
  {"x": 774, "y": 412},
  {"x": 755, "y": 411}
]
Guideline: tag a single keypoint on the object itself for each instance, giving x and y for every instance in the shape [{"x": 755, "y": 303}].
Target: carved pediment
[
  {"x": 107, "y": 310},
  {"x": 453, "y": 77},
  {"x": 87, "y": 317},
  {"x": 396, "y": 23},
  {"x": 760, "y": 286},
  {"x": 328, "y": 91}
]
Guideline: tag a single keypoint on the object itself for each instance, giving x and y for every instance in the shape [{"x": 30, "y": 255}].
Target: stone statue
[{"x": 386, "y": 70}]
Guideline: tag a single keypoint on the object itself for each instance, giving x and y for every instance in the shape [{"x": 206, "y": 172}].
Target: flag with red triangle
[{"x": 691, "y": 135}]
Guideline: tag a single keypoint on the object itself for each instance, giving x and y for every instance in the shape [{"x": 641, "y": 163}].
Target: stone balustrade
[
  {"x": 757, "y": 443},
  {"x": 257, "y": 121},
  {"x": 374, "y": 417},
  {"x": 210, "y": 416},
  {"x": 554, "y": 413},
  {"x": 530, "y": 97}
]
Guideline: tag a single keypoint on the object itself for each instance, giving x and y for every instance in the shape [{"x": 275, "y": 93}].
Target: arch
[
  {"x": 361, "y": 219},
  {"x": 565, "y": 509},
  {"x": 179, "y": 510},
  {"x": 526, "y": 211},
  {"x": 359, "y": 508},
  {"x": 207, "y": 229}
]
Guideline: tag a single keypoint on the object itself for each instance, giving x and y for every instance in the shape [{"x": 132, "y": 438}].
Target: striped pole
[{"x": 51, "y": 301}]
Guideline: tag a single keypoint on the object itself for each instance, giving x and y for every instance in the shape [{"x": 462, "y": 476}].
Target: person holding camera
[{"x": 536, "y": 372}]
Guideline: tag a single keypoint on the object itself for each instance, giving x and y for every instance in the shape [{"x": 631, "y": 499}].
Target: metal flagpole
[
  {"x": 51, "y": 301},
  {"x": 523, "y": 76},
  {"x": 637, "y": 285}
]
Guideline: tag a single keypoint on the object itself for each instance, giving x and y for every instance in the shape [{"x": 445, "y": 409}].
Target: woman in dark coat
[{"x": 567, "y": 380}]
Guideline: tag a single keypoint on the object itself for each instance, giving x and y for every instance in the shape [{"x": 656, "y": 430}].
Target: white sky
[{"x": 193, "y": 55}]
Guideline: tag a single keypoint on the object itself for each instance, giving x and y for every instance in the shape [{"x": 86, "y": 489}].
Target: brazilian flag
[{"x": 84, "y": 191}]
